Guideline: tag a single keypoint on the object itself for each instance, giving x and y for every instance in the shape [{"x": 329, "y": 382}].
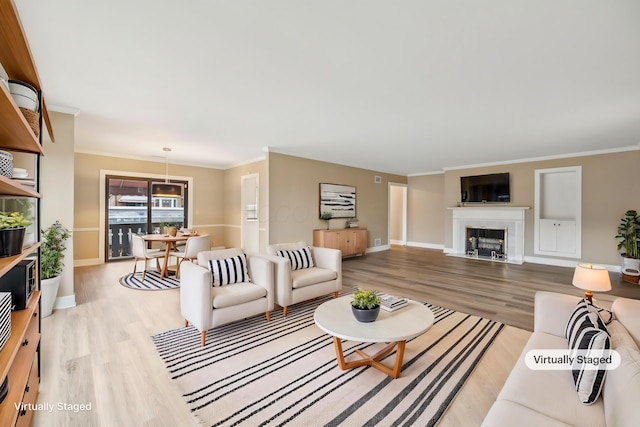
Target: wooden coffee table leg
[
  {"x": 373, "y": 361},
  {"x": 339, "y": 355}
]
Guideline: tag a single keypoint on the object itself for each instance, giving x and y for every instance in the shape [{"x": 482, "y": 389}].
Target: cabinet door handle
[
  {"x": 25, "y": 342},
  {"x": 26, "y": 389}
]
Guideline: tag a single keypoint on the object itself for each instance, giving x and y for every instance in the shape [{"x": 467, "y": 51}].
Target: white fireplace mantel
[{"x": 499, "y": 217}]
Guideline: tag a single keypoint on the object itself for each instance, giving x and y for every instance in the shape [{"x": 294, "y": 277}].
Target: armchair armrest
[
  {"x": 261, "y": 273},
  {"x": 552, "y": 312},
  {"x": 196, "y": 301},
  {"x": 282, "y": 277},
  {"x": 329, "y": 259}
]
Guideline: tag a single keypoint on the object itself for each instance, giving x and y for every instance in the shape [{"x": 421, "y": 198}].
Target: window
[{"x": 133, "y": 208}]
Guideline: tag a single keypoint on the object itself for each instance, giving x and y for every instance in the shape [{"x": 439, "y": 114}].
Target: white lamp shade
[{"x": 591, "y": 278}]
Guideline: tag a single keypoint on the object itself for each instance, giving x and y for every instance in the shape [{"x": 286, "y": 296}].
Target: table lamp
[{"x": 591, "y": 278}]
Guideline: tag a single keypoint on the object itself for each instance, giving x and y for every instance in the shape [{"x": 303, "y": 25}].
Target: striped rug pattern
[
  {"x": 285, "y": 372},
  {"x": 152, "y": 281}
]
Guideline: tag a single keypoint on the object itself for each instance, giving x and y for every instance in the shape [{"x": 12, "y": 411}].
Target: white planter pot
[
  {"x": 629, "y": 263},
  {"x": 49, "y": 289}
]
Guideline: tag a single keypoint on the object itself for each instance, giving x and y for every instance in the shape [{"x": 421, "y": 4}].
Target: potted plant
[
  {"x": 169, "y": 228},
  {"x": 327, "y": 217},
  {"x": 12, "y": 229},
  {"x": 629, "y": 240},
  {"x": 365, "y": 305},
  {"x": 51, "y": 263}
]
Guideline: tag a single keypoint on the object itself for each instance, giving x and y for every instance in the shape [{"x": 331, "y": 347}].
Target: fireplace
[
  {"x": 507, "y": 219},
  {"x": 483, "y": 242}
]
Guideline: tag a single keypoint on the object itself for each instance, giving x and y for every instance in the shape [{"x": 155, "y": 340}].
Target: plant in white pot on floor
[
  {"x": 51, "y": 263},
  {"x": 629, "y": 240}
]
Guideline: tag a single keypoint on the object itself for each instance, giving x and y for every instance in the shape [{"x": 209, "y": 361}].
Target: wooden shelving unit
[
  {"x": 8, "y": 263},
  {"x": 20, "y": 356}
]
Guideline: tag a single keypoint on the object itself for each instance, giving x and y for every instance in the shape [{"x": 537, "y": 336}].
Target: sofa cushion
[
  {"x": 549, "y": 392},
  {"x": 621, "y": 392},
  {"x": 235, "y": 294},
  {"x": 586, "y": 332},
  {"x": 626, "y": 311},
  {"x": 229, "y": 270},
  {"x": 311, "y": 276},
  {"x": 504, "y": 413},
  {"x": 299, "y": 258}
]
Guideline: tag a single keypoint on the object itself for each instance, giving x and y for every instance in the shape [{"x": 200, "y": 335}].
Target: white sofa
[
  {"x": 548, "y": 397},
  {"x": 295, "y": 286},
  {"x": 206, "y": 306}
]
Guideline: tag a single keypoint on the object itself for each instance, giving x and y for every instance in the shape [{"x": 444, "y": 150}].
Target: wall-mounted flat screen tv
[{"x": 491, "y": 188}]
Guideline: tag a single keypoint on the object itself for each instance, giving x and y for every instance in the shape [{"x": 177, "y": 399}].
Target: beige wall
[
  {"x": 607, "y": 192},
  {"x": 208, "y": 199},
  {"x": 426, "y": 212},
  {"x": 57, "y": 187},
  {"x": 294, "y": 186}
]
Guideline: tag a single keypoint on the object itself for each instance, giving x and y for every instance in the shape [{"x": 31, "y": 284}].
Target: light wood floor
[{"x": 100, "y": 352}]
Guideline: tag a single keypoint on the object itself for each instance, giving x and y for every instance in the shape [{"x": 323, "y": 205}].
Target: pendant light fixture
[{"x": 167, "y": 189}]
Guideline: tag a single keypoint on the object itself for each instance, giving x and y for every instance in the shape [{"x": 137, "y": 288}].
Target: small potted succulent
[
  {"x": 326, "y": 216},
  {"x": 12, "y": 228},
  {"x": 365, "y": 305}
]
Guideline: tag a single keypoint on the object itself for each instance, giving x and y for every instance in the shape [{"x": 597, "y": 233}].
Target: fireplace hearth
[{"x": 488, "y": 243}]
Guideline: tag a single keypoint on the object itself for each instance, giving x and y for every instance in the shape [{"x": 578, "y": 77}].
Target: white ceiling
[{"x": 407, "y": 87}]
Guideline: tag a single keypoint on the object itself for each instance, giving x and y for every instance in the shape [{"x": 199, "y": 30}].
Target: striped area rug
[
  {"x": 285, "y": 372},
  {"x": 152, "y": 281}
]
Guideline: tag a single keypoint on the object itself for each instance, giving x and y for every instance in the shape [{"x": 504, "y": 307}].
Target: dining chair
[
  {"x": 140, "y": 252},
  {"x": 192, "y": 247}
]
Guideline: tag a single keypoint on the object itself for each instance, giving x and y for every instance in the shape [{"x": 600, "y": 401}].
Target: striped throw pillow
[
  {"x": 229, "y": 270},
  {"x": 586, "y": 332},
  {"x": 299, "y": 258},
  {"x": 584, "y": 311}
]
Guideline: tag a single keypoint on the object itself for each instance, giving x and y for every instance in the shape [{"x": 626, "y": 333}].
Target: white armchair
[
  {"x": 206, "y": 306},
  {"x": 294, "y": 286}
]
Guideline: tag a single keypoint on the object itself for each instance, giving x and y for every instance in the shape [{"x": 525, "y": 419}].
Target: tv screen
[{"x": 492, "y": 188}]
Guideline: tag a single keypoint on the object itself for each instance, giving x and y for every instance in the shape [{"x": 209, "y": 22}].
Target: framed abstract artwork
[{"x": 338, "y": 200}]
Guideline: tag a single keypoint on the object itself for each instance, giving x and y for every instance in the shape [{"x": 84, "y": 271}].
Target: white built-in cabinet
[{"x": 558, "y": 212}]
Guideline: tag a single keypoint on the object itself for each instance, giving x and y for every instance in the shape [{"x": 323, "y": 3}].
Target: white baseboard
[
  {"x": 426, "y": 245},
  {"x": 65, "y": 302},
  {"x": 566, "y": 263},
  {"x": 378, "y": 248}
]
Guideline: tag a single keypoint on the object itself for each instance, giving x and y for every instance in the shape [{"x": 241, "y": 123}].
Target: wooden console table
[{"x": 350, "y": 241}]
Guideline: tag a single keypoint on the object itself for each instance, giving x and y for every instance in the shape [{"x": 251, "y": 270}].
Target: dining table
[{"x": 169, "y": 241}]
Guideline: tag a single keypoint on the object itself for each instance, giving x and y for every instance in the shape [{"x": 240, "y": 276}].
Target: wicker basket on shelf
[{"x": 33, "y": 119}]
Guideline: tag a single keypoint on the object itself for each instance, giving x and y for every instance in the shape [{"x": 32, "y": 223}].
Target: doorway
[
  {"x": 133, "y": 207},
  {"x": 397, "y": 214}
]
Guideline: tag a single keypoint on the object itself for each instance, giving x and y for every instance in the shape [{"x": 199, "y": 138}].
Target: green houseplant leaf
[
  {"x": 13, "y": 220},
  {"x": 365, "y": 299},
  {"x": 629, "y": 234},
  {"x": 52, "y": 250}
]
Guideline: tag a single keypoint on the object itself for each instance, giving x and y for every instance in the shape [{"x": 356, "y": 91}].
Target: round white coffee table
[{"x": 335, "y": 318}]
